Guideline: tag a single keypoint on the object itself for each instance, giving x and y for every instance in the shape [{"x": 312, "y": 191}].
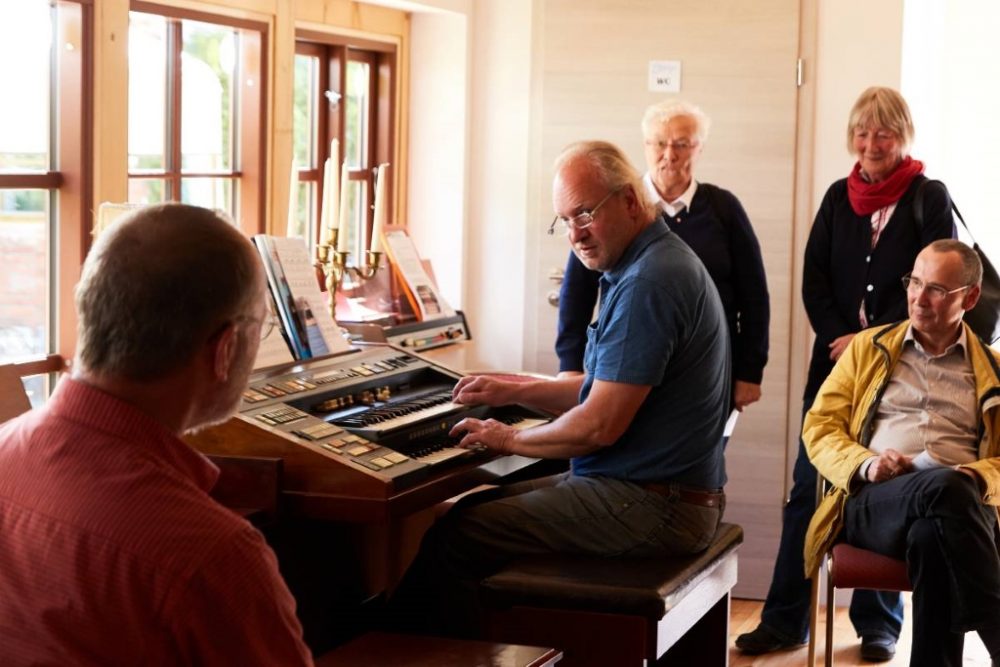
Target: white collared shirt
[{"x": 677, "y": 205}]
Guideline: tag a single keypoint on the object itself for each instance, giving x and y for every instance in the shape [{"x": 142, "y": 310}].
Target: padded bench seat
[{"x": 604, "y": 611}]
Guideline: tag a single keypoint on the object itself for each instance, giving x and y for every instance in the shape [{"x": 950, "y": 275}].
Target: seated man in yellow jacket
[{"x": 907, "y": 430}]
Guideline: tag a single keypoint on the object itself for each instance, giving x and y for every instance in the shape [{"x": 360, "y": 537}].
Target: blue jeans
[
  {"x": 786, "y": 609},
  {"x": 560, "y": 514},
  {"x": 934, "y": 519}
]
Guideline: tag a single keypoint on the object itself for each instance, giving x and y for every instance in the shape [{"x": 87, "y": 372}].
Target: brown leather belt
[{"x": 686, "y": 494}]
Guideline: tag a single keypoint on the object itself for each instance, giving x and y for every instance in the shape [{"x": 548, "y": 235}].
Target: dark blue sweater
[{"x": 717, "y": 228}]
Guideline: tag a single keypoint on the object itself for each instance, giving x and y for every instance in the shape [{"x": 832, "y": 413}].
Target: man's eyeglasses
[
  {"x": 267, "y": 325},
  {"x": 678, "y": 146},
  {"x": 936, "y": 293},
  {"x": 270, "y": 323},
  {"x": 583, "y": 219}
]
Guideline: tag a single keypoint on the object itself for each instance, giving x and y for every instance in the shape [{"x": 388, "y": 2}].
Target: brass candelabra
[{"x": 333, "y": 264}]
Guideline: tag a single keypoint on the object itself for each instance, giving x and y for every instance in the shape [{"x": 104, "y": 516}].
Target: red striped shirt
[{"x": 112, "y": 552}]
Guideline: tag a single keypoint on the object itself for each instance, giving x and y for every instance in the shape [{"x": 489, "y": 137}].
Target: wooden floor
[{"x": 745, "y": 615}]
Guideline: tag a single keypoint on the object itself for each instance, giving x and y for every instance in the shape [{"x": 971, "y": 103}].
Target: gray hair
[
  {"x": 611, "y": 166},
  {"x": 883, "y": 107},
  {"x": 661, "y": 113},
  {"x": 157, "y": 285},
  {"x": 972, "y": 267}
]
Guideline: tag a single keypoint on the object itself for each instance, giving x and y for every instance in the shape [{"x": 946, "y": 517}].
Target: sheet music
[
  {"x": 426, "y": 296},
  {"x": 273, "y": 351},
  {"x": 322, "y": 331}
]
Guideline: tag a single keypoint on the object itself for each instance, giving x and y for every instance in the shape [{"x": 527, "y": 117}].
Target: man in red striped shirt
[{"x": 111, "y": 551}]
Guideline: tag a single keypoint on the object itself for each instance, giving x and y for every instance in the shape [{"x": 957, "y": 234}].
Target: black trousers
[{"x": 935, "y": 520}]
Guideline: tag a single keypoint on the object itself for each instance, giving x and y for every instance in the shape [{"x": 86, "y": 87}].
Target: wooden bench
[{"x": 601, "y": 611}]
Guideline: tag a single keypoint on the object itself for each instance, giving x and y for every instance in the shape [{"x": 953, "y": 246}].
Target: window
[
  {"x": 343, "y": 91},
  {"x": 196, "y": 111},
  {"x": 45, "y": 51}
]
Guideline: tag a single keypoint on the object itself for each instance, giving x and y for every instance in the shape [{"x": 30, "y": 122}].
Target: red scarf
[{"x": 866, "y": 198}]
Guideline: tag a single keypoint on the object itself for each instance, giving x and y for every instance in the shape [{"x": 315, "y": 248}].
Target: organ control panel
[{"x": 363, "y": 435}]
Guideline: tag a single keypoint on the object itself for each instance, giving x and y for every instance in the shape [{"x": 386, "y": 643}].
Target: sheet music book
[
  {"x": 274, "y": 350},
  {"x": 307, "y": 325},
  {"x": 422, "y": 293}
]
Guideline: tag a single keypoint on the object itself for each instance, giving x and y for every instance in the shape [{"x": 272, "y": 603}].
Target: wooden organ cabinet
[{"x": 363, "y": 442}]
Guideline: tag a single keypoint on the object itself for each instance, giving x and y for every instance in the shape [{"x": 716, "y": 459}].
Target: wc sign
[{"x": 664, "y": 76}]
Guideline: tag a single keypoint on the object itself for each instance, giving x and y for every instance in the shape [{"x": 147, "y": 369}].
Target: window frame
[
  {"x": 68, "y": 179},
  {"x": 248, "y": 173},
  {"x": 334, "y": 52}
]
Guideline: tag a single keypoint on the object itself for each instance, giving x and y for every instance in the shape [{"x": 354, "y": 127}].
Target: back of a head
[
  {"x": 157, "y": 285},
  {"x": 610, "y": 165}
]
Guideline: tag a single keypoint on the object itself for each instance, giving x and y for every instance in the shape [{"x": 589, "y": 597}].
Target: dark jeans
[
  {"x": 936, "y": 521},
  {"x": 786, "y": 609},
  {"x": 562, "y": 514}
]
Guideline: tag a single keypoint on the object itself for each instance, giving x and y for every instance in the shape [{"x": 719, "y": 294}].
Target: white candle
[
  {"x": 345, "y": 212},
  {"x": 293, "y": 200},
  {"x": 330, "y": 186},
  {"x": 379, "y": 219},
  {"x": 324, "y": 205},
  {"x": 328, "y": 206}
]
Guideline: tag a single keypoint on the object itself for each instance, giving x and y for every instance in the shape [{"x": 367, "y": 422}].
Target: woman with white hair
[{"x": 712, "y": 222}]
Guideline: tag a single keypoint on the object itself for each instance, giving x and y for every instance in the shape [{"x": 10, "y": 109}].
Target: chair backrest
[{"x": 13, "y": 399}]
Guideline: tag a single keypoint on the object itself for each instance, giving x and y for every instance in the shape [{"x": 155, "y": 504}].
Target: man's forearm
[
  {"x": 576, "y": 433},
  {"x": 598, "y": 422},
  {"x": 554, "y": 396}
]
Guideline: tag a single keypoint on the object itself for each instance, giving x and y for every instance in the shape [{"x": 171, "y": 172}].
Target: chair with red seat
[{"x": 848, "y": 566}]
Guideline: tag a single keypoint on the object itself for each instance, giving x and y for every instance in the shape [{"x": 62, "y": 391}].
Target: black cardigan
[{"x": 841, "y": 268}]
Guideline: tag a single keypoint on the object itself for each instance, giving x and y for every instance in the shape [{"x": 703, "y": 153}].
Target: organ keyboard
[{"x": 363, "y": 435}]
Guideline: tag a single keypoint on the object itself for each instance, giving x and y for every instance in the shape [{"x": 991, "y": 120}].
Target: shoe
[
  {"x": 763, "y": 640},
  {"x": 877, "y": 648}
]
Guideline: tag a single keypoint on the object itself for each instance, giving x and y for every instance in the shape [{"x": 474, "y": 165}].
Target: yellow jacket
[{"x": 839, "y": 426}]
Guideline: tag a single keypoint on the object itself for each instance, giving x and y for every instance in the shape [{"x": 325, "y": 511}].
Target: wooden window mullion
[{"x": 175, "y": 45}]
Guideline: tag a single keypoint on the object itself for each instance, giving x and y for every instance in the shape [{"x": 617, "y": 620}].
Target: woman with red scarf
[{"x": 862, "y": 243}]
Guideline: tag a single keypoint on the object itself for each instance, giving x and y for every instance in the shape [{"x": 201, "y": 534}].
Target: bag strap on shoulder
[{"x": 918, "y": 207}]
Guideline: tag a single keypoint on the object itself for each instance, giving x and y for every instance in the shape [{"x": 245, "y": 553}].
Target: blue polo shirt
[{"x": 661, "y": 323}]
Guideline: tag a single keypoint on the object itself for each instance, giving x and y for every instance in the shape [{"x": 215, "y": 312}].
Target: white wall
[
  {"x": 949, "y": 80},
  {"x": 859, "y": 44},
  {"x": 468, "y": 183},
  {"x": 498, "y": 181},
  {"x": 438, "y": 115}
]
